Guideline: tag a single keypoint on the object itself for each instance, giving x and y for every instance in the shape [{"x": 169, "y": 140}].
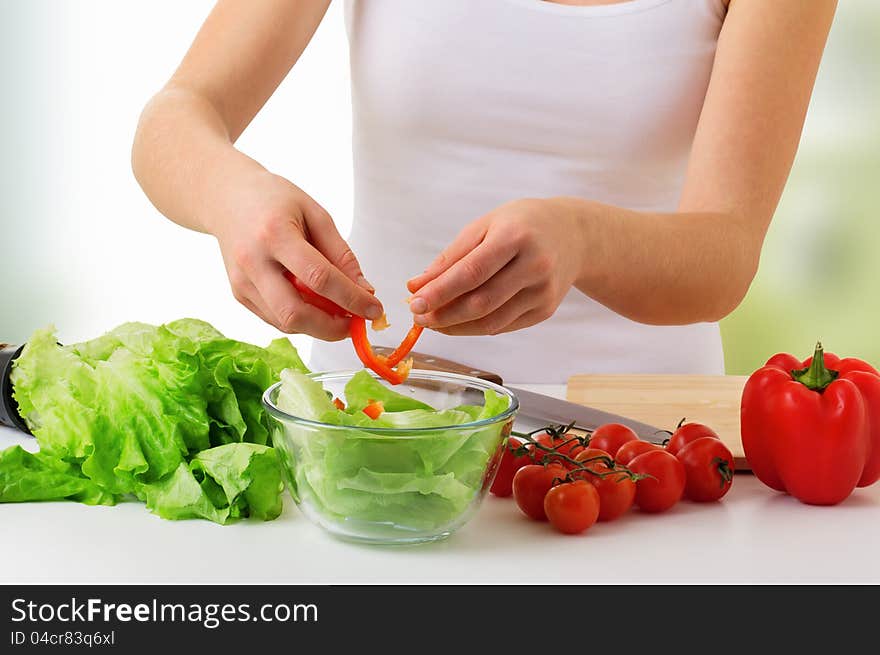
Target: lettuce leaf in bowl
[
  {"x": 422, "y": 477},
  {"x": 363, "y": 389}
]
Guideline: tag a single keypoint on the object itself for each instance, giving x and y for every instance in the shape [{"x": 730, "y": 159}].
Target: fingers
[
  {"x": 499, "y": 320},
  {"x": 471, "y": 271},
  {"x": 528, "y": 319},
  {"x": 247, "y": 294},
  {"x": 480, "y": 302},
  {"x": 291, "y": 314},
  {"x": 260, "y": 286},
  {"x": 327, "y": 240},
  {"x": 468, "y": 239},
  {"x": 312, "y": 268}
]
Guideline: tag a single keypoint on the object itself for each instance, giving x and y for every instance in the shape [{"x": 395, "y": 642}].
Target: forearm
[
  {"x": 663, "y": 268},
  {"x": 183, "y": 158}
]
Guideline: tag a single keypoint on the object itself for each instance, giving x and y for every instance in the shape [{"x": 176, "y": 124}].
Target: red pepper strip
[
  {"x": 310, "y": 297},
  {"x": 358, "y": 331},
  {"x": 405, "y": 346},
  {"x": 338, "y": 404},
  {"x": 374, "y": 409}
]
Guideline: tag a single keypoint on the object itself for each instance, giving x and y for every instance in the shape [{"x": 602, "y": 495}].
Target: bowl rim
[{"x": 421, "y": 374}]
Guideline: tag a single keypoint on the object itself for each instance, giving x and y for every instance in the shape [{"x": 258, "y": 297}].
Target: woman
[{"x": 597, "y": 177}]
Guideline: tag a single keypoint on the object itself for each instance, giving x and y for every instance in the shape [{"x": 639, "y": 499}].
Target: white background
[{"x": 89, "y": 250}]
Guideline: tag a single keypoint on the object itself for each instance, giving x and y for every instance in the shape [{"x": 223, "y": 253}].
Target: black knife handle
[{"x": 9, "y": 415}]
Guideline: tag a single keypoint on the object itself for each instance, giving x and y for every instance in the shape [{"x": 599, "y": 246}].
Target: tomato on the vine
[
  {"x": 566, "y": 444},
  {"x": 632, "y": 449},
  {"x": 616, "y": 490},
  {"x": 666, "y": 485},
  {"x": 610, "y": 437},
  {"x": 572, "y": 507},
  {"x": 593, "y": 457},
  {"x": 507, "y": 468},
  {"x": 574, "y": 482},
  {"x": 531, "y": 483},
  {"x": 709, "y": 469},
  {"x": 685, "y": 433}
]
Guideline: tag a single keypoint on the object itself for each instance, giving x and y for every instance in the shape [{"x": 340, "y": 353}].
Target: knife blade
[
  {"x": 434, "y": 363},
  {"x": 537, "y": 410}
]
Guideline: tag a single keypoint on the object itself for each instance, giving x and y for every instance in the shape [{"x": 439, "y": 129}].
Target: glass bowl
[{"x": 390, "y": 485}]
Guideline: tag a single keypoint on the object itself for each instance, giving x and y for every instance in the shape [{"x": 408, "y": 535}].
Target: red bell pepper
[
  {"x": 812, "y": 428},
  {"x": 384, "y": 366}
]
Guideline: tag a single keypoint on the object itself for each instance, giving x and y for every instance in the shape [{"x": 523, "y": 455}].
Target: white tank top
[{"x": 462, "y": 105}]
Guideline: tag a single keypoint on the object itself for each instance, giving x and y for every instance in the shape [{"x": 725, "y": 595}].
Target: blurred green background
[{"x": 821, "y": 260}]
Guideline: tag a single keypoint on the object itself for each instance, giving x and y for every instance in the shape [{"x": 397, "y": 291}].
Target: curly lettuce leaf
[
  {"x": 220, "y": 484},
  {"x": 26, "y": 477},
  {"x": 129, "y": 412}
]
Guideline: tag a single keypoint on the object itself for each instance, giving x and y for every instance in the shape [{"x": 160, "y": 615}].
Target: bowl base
[
  {"x": 391, "y": 541},
  {"x": 378, "y": 533}
]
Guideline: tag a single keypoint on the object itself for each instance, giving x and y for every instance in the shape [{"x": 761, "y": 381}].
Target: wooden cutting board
[{"x": 663, "y": 400}]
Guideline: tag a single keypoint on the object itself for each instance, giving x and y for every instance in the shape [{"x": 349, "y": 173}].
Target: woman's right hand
[
  {"x": 184, "y": 158},
  {"x": 267, "y": 225}
]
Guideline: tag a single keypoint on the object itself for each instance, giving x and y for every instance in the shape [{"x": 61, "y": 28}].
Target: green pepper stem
[{"x": 815, "y": 377}]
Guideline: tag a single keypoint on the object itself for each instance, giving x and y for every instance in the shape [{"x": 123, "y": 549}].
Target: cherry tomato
[
  {"x": 616, "y": 491},
  {"x": 591, "y": 454},
  {"x": 709, "y": 468},
  {"x": 686, "y": 433},
  {"x": 632, "y": 449},
  {"x": 507, "y": 468},
  {"x": 666, "y": 486},
  {"x": 611, "y": 436},
  {"x": 531, "y": 483},
  {"x": 572, "y": 507},
  {"x": 568, "y": 445}
]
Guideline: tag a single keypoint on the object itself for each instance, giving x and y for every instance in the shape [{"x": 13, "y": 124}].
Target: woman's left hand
[{"x": 505, "y": 271}]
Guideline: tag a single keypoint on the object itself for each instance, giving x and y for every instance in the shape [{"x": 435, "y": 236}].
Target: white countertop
[{"x": 754, "y": 535}]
